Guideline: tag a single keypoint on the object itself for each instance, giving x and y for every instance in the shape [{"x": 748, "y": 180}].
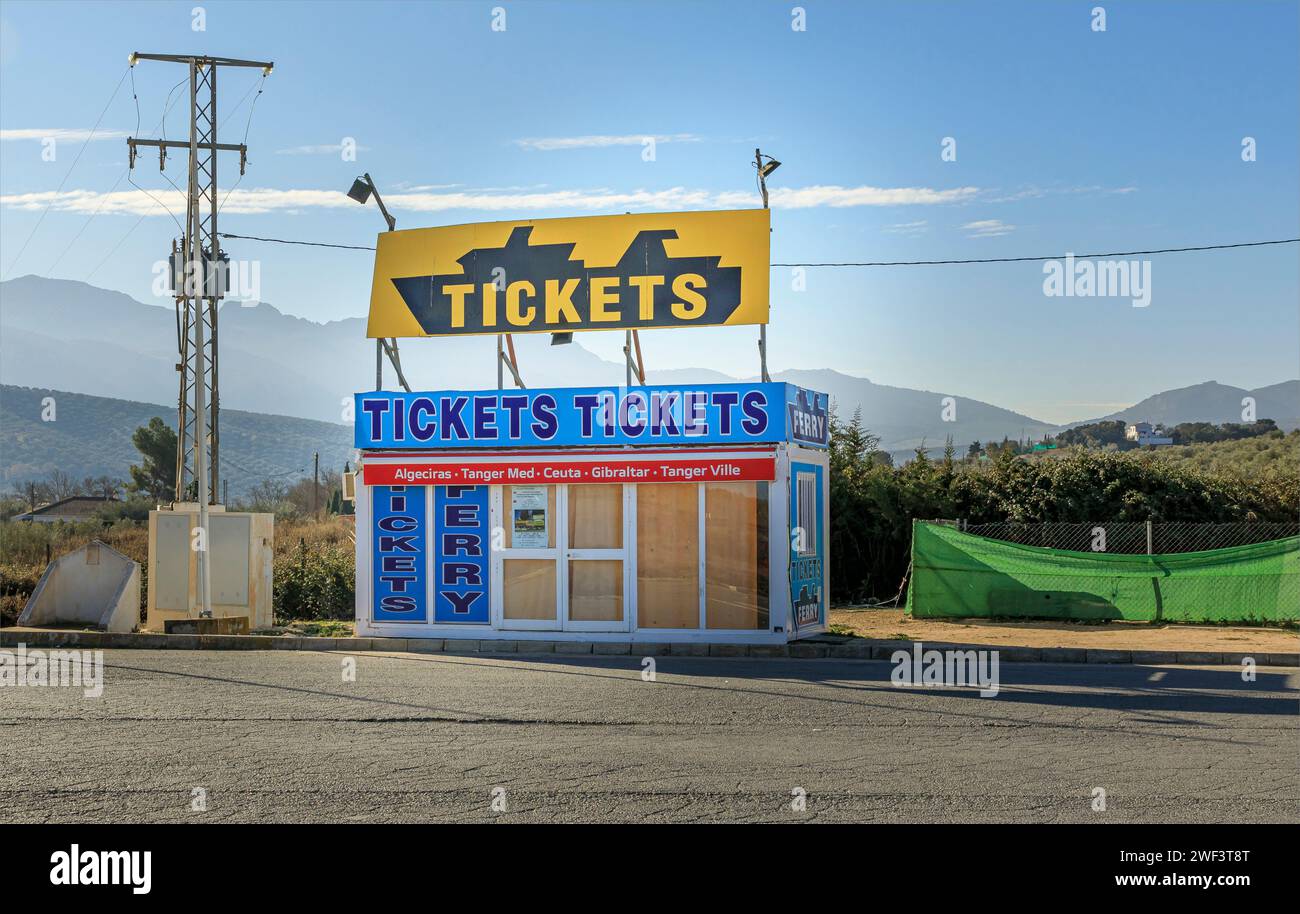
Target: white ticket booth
[{"x": 719, "y": 540}]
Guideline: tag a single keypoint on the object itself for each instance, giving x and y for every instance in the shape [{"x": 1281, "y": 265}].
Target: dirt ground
[{"x": 894, "y": 624}]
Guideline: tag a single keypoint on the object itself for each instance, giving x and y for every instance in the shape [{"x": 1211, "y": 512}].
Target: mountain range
[
  {"x": 1215, "y": 402},
  {"x": 64, "y": 335},
  {"x": 88, "y": 437}
]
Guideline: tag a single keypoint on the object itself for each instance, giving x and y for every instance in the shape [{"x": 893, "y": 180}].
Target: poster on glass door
[{"x": 528, "y": 508}]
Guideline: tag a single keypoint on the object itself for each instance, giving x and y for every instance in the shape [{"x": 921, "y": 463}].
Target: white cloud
[
  {"x": 404, "y": 185},
  {"x": 550, "y": 144},
  {"x": 987, "y": 228},
  {"x": 135, "y": 202},
  {"x": 1034, "y": 192},
  {"x": 63, "y": 134},
  {"x": 599, "y": 200},
  {"x": 322, "y": 150},
  {"x": 919, "y": 227},
  {"x": 836, "y": 196}
]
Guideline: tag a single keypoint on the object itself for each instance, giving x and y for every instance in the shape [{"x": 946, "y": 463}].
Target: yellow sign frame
[{"x": 686, "y": 269}]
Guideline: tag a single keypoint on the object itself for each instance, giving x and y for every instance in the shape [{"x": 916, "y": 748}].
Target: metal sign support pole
[
  {"x": 627, "y": 356},
  {"x": 762, "y": 328}
]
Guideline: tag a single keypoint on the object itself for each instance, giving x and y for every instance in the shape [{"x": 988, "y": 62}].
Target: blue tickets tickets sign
[
  {"x": 739, "y": 413},
  {"x": 401, "y": 555}
]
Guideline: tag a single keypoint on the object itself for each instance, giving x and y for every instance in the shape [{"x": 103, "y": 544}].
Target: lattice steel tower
[{"x": 199, "y": 278}]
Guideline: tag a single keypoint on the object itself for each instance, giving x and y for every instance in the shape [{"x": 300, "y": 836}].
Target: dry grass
[
  {"x": 894, "y": 624},
  {"x": 24, "y": 547}
]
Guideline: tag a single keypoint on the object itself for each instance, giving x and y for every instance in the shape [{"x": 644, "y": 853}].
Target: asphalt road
[{"x": 279, "y": 736}]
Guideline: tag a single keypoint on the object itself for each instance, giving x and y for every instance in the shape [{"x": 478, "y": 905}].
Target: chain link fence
[
  {"x": 1229, "y": 573},
  {"x": 1132, "y": 537}
]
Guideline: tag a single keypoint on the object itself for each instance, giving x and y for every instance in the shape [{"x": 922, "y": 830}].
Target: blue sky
[{"x": 1067, "y": 139}]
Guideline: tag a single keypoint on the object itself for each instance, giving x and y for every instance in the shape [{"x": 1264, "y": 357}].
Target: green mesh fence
[{"x": 957, "y": 574}]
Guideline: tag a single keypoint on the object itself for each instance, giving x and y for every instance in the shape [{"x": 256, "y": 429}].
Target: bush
[
  {"x": 133, "y": 509},
  {"x": 873, "y": 504},
  {"x": 16, "y": 585},
  {"x": 313, "y": 564},
  {"x": 315, "y": 584}
]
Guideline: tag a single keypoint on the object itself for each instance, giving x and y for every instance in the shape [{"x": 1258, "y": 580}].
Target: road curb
[{"x": 822, "y": 647}]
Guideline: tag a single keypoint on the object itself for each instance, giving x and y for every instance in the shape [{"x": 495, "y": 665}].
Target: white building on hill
[{"x": 1144, "y": 434}]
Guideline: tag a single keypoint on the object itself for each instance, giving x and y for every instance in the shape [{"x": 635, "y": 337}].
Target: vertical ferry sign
[
  {"x": 700, "y": 269},
  {"x": 460, "y": 554}
]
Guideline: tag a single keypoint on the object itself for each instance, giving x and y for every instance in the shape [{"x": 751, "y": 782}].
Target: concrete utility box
[
  {"x": 240, "y": 552},
  {"x": 94, "y": 585}
]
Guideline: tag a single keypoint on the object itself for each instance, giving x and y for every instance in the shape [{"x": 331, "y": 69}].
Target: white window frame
[
  {"x": 500, "y": 521},
  {"x": 806, "y": 511},
  {"x": 701, "y": 576},
  {"x": 561, "y": 555},
  {"x": 620, "y": 554}
]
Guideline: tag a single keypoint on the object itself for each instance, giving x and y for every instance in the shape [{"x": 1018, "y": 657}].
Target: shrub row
[{"x": 873, "y": 503}]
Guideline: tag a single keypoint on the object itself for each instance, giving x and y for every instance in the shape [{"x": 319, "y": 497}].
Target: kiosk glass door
[
  {"x": 596, "y": 568},
  {"x": 563, "y": 557},
  {"x": 529, "y": 576}
]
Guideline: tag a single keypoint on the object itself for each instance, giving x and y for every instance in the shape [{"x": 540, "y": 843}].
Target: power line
[
  {"x": 162, "y": 123},
  {"x": 113, "y": 251},
  {"x": 314, "y": 244},
  {"x": 246, "y": 128},
  {"x": 231, "y": 113},
  {"x": 136, "y": 98},
  {"x": 165, "y": 207},
  {"x": 68, "y": 173},
  {"x": 86, "y": 224},
  {"x": 881, "y": 263},
  {"x": 125, "y": 174},
  {"x": 926, "y": 263}
]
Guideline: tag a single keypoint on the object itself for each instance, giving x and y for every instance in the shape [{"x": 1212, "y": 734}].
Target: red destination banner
[{"x": 442, "y": 473}]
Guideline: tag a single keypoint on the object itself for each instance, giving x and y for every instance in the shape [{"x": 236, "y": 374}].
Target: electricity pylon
[{"x": 199, "y": 281}]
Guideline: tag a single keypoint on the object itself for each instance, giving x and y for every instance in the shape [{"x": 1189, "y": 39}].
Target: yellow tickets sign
[{"x": 704, "y": 269}]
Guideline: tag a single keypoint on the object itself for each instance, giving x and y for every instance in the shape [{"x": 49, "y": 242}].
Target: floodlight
[{"x": 360, "y": 190}]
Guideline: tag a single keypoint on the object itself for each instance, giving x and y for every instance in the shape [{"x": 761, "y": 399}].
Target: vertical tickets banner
[
  {"x": 460, "y": 563},
  {"x": 400, "y": 537},
  {"x": 807, "y": 545}
]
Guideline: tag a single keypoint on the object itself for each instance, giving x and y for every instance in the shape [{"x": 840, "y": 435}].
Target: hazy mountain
[
  {"x": 67, "y": 335},
  {"x": 91, "y": 436},
  {"x": 1215, "y": 402},
  {"x": 906, "y": 419}
]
